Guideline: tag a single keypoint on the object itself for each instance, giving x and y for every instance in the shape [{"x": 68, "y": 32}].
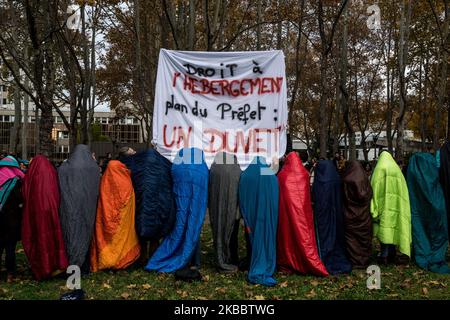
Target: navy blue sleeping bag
[
  {"x": 329, "y": 218},
  {"x": 258, "y": 199},
  {"x": 190, "y": 185},
  {"x": 155, "y": 200}
]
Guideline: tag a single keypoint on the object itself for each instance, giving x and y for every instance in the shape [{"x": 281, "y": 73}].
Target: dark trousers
[
  {"x": 10, "y": 252},
  {"x": 387, "y": 250}
]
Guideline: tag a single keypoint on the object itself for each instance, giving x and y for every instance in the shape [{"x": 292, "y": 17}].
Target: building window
[
  {"x": 104, "y": 120},
  {"x": 63, "y": 134},
  {"x": 63, "y": 149},
  {"x": 5, "y": 118},
  {"x": 5, "y": 101}
]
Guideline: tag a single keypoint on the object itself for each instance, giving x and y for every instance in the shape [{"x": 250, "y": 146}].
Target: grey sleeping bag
[
  {"x": 79, "y": 179},
  {"x": 223, "y": 209}
]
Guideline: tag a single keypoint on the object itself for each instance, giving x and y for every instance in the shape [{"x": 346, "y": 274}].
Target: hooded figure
[
  {"x": 42, "y": 237},
  {"x": 329, "y": 218},
  {"x": 155, "y": 200},
  {"x": 79, "y": 179},
  {"x": 258, "y": 200},
  {"x": 444, "y": 176},
  {"x": 429, "y": 220},
  {"x": 223, "y": 209},
  {"x": 296, "y": 240},
  {"x": 115, "y": 244},
  {"x": 390, "y": 209},
  {"x": 10, "y": 174},
  {"x": 10, "y": 212},
  {"x": 357, "y": 218},
  {"x": 190, "y": 185}
]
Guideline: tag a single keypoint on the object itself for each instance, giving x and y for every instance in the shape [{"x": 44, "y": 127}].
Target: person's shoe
[
  {"x": 188, "y": 274},
  {"x": 73, "y": 295}
]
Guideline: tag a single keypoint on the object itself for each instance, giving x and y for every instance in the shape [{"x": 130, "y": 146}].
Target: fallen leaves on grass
[
  {"x": 259, "y": 297},
  {"x": 284, "y": 284},
  {"x": 131, "y": 286},
  {"x": 311, "y": 294},
  {"x": 125, "y": 295},
  {"x": 106, "y": 286},
  {"x": 221, "y": 290},
  {"x": 424, "y": 291},
  {"x": 146, "y": 286},
  {"x": 314, "y": 283},
  {"x": 182, "y": 293}
]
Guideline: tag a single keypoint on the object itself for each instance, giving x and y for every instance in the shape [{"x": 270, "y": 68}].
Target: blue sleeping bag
[
  {"x": 329, "y": 218},
  {"x": 155, "y": 200},
  {"x": 258, "y": 199},
  {"x": 190, "y": 185}
]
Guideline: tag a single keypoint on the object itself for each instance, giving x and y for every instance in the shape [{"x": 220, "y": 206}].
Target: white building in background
[{"x": 375, "y": 142}]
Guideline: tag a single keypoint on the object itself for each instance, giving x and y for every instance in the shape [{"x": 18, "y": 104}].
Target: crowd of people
[{"x": 317, "y": 217}]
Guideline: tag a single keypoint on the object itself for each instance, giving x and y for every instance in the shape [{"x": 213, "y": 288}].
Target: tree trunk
[
  {"x": 343, "y": 88},
  {"x": 45, "y": 130},
  {"x": 24, "y": 139},
  {"x": 422, "y": 107},
  {"x": 402, "y": 61},
  {"x": 191, "y": 31},
  {"x": 297, "y": 66},
  {"x": 443, "y": 52},
  {"x": 93, "y": 79},
  {"x": 258, "y": 27},
  {"x": 87, "y": 84},
  {"x": 323, "y": 114},
  {"x": 15, "y": 130}
]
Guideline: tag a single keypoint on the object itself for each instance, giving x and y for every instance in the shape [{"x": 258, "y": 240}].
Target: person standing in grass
[
  {"x": 390, "y": 209},
  {"x": 42, "y": 237}
]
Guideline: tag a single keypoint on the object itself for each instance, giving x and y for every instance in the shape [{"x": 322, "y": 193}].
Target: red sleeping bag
[
  {"x": 296, "y": 241},
  {"x": 41, "y": 230}
]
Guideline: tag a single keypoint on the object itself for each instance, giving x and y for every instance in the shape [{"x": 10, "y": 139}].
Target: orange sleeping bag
[{"x": 115, "y": 244}]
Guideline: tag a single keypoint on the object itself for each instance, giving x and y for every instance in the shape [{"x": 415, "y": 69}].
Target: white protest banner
[{"x": 233, "y": 102}]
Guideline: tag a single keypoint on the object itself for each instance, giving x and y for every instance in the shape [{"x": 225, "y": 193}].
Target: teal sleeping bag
[
  {"x": 258, "y": 199},
  {"x": 190, "y": 185},
  {"x": 428, "y": 213}
]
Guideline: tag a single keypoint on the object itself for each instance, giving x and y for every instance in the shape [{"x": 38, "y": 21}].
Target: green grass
[{"x": 397, "y": 282}]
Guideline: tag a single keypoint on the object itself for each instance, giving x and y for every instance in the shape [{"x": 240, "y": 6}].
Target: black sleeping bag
[
  {"x": 329, "y": 218},
  {"x": 155, "y": 201}
]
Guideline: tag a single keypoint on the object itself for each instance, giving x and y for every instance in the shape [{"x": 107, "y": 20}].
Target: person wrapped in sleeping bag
[
  {"x": 224, "y": 209},
  {"x": 390, "y": 208},
  {"x": 428, "y": 216},
  {"x": 190, "y": 185},
  {"x": 357, "y": 218},
  {"x": 329, "y": 218},
  {"x": 79, "y": 181},
  {"x": 42, "y": 237},
  {"x": 296, "y": 240},
  {"x": 155, "y": 201},
  {"x": 444, "y": 178},
  {"x": 115, "y": 244},
  {"x": 258, "y": 200},
  {"x": 10, "y": 212}
]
